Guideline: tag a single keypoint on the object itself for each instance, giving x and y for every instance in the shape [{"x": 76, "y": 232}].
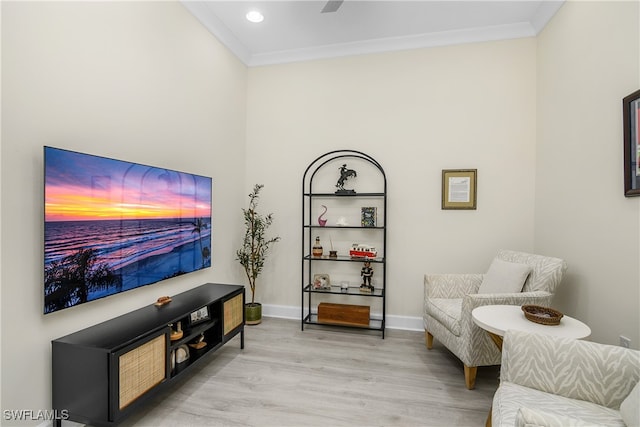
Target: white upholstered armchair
[
  {"x": 553, "y": 381},
  {"x": 514, "y": 278}
]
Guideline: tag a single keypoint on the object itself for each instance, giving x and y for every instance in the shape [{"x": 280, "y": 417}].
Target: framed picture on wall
[
  {"x": 631, "y": 124},
  {"x": 459, "y": 188}
]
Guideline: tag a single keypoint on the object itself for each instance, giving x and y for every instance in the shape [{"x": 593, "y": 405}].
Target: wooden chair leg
[
  {"x": 488, "y": 422},
  {"x": 470, "y": 376},
  {"x": 429, "y": 338}
]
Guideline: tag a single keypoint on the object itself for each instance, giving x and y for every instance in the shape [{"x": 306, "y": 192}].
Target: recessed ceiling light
[{"x": 255, "y": 16}]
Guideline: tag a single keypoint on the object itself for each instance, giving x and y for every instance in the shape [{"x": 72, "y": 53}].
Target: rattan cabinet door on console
[
  {"x": 233, "y": 313},
  {"x": 141, "y": 369}
]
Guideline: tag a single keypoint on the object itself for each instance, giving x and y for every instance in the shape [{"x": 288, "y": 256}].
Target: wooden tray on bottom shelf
[{"x": 343, "y": 314}]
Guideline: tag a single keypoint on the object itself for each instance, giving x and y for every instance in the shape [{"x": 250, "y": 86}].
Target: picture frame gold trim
[
  {"x": 631, "y": 130},
  {"x": 459, "y": 188}
]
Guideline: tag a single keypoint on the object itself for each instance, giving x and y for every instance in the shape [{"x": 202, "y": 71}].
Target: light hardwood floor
[{"x": 324, "y": 377}]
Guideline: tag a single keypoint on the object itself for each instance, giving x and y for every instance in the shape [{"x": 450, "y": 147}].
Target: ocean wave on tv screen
[{"x": 118, "y": 243}]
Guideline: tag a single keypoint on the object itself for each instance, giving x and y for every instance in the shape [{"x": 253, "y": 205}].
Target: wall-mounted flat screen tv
[{"x": 112, "y": 226}]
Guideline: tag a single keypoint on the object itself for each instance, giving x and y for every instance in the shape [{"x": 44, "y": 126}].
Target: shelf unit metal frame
[{"x": 308, "y": 195}]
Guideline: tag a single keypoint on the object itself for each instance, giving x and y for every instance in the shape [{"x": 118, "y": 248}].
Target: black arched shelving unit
[{"x": 343, "y": 226}]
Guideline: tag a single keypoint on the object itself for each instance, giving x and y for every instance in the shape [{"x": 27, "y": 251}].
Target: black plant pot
[{"x": 252, "y": 313}]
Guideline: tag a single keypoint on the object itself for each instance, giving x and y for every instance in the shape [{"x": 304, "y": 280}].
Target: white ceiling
[{"x": 298, "y": 31}]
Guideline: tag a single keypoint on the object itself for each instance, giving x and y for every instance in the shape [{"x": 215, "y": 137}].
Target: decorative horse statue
[{"x": 344, "y": 175}]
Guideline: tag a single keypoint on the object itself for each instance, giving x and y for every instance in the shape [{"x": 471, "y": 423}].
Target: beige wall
[
  {"x": 417, "y": 112},
  {"x": 588, "y": 60},
  {"x": 136, "y": 81},
  {"x": 539, "y": 119}
]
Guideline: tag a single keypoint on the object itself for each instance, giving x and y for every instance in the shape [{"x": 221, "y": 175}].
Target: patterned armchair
[
  {"x": 551, "y": 381},
  {"x": 450, "y": 298}
]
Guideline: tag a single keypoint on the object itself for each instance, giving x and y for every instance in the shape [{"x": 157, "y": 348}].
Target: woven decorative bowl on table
[{"x": 542, "y": 315}]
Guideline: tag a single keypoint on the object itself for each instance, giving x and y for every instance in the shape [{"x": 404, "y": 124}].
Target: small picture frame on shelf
[
  {"x": 368, "y": 216},
  {"x": 200, "y": 315},
  {"x": 321, "y": 282}
]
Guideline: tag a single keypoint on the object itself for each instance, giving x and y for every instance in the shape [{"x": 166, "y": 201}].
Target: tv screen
[{"x": 111, "y": 226}]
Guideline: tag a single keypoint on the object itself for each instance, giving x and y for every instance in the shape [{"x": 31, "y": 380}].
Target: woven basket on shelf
[{"x": 542, "y": 315}]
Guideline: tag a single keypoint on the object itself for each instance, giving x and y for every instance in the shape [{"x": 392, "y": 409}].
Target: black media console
[{"x": 103, "y": 373}]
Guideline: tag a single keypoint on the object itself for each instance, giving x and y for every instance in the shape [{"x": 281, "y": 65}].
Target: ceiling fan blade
[{"x": 331, "y": 6}]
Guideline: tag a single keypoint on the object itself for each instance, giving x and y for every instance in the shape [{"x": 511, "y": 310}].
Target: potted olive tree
[{"x": 253, "y": 252}]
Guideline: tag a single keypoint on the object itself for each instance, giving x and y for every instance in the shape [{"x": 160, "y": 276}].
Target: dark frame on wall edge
[{"x": 631, "y": 129}]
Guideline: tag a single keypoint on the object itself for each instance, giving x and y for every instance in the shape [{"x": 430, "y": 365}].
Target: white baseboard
[
  {"x": 407, "y": 323},
  {"x": 281, "y": 311}
]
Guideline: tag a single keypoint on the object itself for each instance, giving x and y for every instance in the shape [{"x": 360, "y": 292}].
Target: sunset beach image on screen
[{"x": 111, "y": 226}]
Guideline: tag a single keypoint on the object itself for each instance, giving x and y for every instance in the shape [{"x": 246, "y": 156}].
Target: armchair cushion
[
  {"x": 446, "y": 311},
  {"x": 511, "y": 397},
  {"x": 504, "y": 277},
  {"x": 630, "y": 407},
  {"x": 528, "y": 417}
]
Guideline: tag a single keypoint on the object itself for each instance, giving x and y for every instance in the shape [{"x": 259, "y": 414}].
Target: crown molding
[
  {"x": 205, "y": 15},
  {"x": 445, "y": 38}
]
